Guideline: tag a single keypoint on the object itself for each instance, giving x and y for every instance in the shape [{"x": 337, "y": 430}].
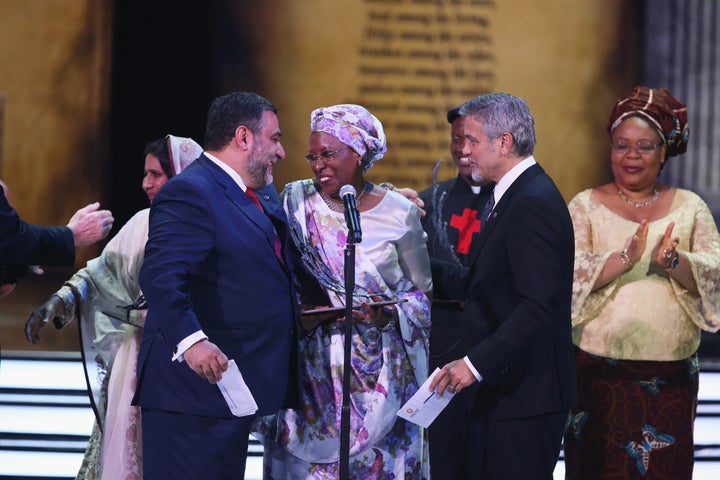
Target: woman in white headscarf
[
  {"x": 389, "y": 346},
  {"x": 106, "y": 300}
]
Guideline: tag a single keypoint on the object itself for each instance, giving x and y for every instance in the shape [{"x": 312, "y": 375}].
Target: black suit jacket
[
  {"x": 519, "y": 290},
  {"x": 460, "y": 211},
  {"x": 23, "y": 243}
]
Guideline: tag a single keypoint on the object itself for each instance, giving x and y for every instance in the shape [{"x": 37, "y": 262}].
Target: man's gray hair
[{"x": 501, "y": 112}]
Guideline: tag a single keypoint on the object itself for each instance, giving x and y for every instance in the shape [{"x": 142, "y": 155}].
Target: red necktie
[{"x": 276, "y": 240}]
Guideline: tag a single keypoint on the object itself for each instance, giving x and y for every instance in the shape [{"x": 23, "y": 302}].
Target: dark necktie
[
  {"x": 487, "y": 209},
  {"x": 277, "y": 246}
]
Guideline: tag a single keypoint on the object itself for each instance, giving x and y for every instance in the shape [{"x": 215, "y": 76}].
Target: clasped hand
[{"x": 663, "y": 252}]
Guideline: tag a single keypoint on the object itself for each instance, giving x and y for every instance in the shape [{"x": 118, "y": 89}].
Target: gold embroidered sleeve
[
  {"x": 586, "y": 304},
  {"x": 704, "y": 257}
]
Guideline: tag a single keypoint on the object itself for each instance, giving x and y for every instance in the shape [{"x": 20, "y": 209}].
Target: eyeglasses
[
  {"x": 640, "y": 148},
  {"x": 326, "y": 155}
]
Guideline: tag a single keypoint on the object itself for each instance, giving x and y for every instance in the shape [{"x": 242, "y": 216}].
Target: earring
[{"x": 359, "y": 162}]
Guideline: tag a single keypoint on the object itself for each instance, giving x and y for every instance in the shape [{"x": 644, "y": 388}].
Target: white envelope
[
  {"x": 425, "y": 405},
  {"x": 236, "y": 392}
]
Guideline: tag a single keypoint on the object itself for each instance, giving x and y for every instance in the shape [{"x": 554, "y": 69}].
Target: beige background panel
[
  {"x": 306, "y": 56},
  {"x": 566, "y": 58},
  {"x": 570, "y": 60},
  {"x": 55, "y": 78}
]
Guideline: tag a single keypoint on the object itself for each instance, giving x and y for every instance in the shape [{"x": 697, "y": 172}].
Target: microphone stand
[{"x": 345, "y": 416}]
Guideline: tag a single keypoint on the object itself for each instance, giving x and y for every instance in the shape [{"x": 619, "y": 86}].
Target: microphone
[{"x": 352, "y": 215}]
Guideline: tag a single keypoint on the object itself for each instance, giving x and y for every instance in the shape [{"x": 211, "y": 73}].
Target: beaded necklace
[
  {"x": 644, "y": 203},
  {"x": 340, "y": 207}
]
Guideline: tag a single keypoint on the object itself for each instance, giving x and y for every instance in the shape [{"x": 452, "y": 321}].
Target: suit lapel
[
  {"x": 501, "y": 206},
  {"x": 238, "y": 198}
]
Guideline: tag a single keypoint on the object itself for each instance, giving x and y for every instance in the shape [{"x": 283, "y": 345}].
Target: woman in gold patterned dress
[{"x": 647, "y": 278}]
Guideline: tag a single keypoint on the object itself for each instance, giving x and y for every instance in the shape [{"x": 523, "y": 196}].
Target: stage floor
[{"x": 45, "y": 419}]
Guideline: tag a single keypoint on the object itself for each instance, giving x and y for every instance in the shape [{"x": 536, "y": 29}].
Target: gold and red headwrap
[{"x": 656, "y": 105}]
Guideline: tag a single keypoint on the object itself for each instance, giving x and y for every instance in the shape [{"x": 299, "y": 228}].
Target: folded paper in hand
[
  {"x": 425, "y": 406},
  {"x": 236, "y": 392}
]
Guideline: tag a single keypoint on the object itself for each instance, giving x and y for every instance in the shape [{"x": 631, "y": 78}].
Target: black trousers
[{"x": 518, "y": 449}]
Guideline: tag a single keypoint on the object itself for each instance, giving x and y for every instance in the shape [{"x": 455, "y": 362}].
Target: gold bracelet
[{"x": 626, "y": 258}]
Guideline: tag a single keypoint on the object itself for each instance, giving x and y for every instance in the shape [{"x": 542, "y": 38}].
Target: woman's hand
[
  {"x": 666, "y": 249},
  {"x": 621, "y": 262},
  {"x": 636, "y": 245},
  {"x": 379, "y": 315},
  {"x": 675, "y": 263},
  {"x": 53, "y": 309}
]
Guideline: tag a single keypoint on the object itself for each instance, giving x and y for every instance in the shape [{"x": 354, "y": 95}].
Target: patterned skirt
[{"x": 634, "y": 419}]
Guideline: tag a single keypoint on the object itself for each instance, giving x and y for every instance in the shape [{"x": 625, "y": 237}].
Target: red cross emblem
[{"x": 467, "y": 224}]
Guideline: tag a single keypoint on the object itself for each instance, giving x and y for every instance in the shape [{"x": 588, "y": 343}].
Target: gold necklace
[
  {"x": 340, "y": 207},
  {"x": 644, "y": 203}
]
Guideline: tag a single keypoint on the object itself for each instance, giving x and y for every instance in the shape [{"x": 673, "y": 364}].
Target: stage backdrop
[
  {"x": 55, "y": 58},
  {"x": 74, "y": 101},
  {"x": 410, "y": 61}
]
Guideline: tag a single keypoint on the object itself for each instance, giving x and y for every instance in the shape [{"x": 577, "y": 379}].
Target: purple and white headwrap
[{"x": 355, "y": 127}]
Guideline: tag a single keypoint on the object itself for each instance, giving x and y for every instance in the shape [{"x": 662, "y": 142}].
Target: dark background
[{"x": 170, "y": 59}]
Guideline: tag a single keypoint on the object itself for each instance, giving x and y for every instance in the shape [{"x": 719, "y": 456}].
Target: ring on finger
[{"x": 451, "y": 389}]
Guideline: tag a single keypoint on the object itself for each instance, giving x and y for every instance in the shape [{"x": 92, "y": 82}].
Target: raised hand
[
  {"x": 89, "y": 224},
  {"x": 636, "y": 244},
  {"x": 666, "y": 248}
]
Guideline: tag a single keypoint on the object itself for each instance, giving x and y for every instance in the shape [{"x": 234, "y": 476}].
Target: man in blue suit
[
  {"x": 219, "y": 287},
  {"x": 518, "y": 292}
]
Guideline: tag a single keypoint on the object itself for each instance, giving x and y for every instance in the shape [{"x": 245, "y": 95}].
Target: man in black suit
[
  {"x": 519, "y": 290},
  {"x": 23, "y": 244},
  {"x": 452, "y": 223}
]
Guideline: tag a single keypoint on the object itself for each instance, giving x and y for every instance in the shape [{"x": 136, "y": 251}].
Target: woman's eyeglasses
[
  {"x": 640, "y": 148},
  {"x": 326, "y": 155}
]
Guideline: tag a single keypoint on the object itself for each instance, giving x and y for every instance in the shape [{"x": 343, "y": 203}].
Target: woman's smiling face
[
  {"x": 332, "y": 171},
  {"x": 637, "y": 154}
]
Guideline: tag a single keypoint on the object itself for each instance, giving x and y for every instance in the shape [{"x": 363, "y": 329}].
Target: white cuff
[
  {"x": 186, "y": 343},
  {"x": 472, "y": 369}
]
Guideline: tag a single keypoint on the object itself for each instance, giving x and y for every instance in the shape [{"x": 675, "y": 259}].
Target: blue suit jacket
[
  {"x": 209, "y": 264},
  {"x": 519, "y": 290}
]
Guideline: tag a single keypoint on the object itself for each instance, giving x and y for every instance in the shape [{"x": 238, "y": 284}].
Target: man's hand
[
  {"x": 207, "y": 360},
  {"x": 408, "y": 193},
  {"x": 53, "y": 309},
  {"x": 89, "y": 224},
  {"x": 453, "y": 377}
]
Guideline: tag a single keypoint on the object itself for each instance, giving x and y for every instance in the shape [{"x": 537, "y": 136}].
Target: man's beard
[
  {"x": 259, "y": 167},
  {"x": 476, "y": 174}
]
